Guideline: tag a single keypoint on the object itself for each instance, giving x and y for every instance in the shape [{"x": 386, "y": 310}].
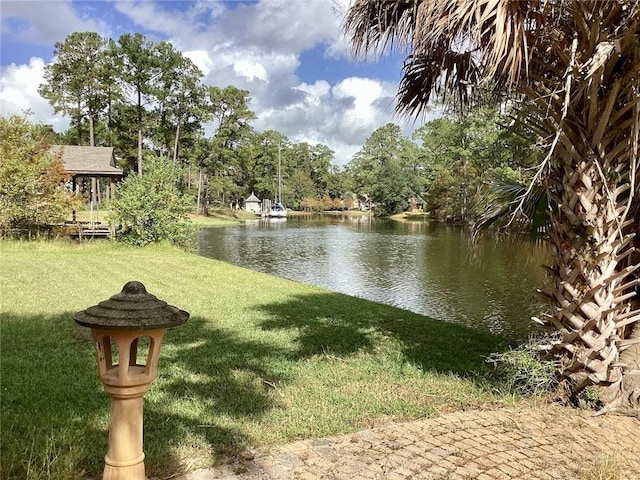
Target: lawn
[
  {"x": 262, "y": 360},
  {"x": 217, "y": 218}
]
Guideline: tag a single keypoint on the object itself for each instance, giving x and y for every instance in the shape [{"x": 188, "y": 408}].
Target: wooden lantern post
[{"x": 128, "y": 370}]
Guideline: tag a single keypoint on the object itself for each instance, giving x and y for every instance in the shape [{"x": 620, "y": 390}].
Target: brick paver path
[{"x": 547, "y": 443}]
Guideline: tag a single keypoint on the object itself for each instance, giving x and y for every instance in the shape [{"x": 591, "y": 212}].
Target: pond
[{"x": 420, "y": 266}]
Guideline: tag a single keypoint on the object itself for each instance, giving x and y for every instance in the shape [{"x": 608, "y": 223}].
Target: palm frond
[
  {"x": 374, "y": 26},
  {"x": 453, "y": 44},
  {"x": 458, "y": 73},
  {"x": 507, "y": 205}
]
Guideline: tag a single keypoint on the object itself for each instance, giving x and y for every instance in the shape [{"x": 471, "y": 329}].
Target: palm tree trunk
[
  {"x": 594, "y": 276},
  {"x": 583, "y": 287},
  {"x": 626, "y": 394},
  {"x": 592, "y": 175}
]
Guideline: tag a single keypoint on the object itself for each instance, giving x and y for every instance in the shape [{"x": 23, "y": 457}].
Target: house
[
  {"x": 416, "y": 203},
  {"x": 252, "y": 204},
  {"x": 88, "y": 165}
]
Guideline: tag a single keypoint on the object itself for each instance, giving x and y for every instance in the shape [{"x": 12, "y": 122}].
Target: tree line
[{"x": 147, "y": 98}]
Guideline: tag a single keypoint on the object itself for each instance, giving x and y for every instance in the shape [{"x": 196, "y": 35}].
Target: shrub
[
  {"x": 523, "y": 371},
  {"x": 312, "y": 204},
  {"x": 32, "y": 194},
  {"x": 151, "y": 208}
]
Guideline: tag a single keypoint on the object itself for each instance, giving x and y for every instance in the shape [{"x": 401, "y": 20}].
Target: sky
[{"x": 289, "y": 54}]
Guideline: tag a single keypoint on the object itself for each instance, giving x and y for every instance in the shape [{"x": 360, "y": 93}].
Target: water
[{"x": 423, "y": 267}]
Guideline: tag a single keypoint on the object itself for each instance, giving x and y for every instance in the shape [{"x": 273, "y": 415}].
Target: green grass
[
  {"x": 261, "y": 361},
  {"x": 86, "y": 215},
  {"x": 350, "y": 213},
  {"x": 217, "y": 218},
  {"x": 408, "y": 216}
]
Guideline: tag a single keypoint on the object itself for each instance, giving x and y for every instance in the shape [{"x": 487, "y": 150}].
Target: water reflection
[{"x": 424, "y": 267}]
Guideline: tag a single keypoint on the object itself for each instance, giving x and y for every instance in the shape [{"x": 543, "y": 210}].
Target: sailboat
[{"x": 277, "y": 209}]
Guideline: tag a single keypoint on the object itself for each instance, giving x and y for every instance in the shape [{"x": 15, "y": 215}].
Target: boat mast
[{"x": 279, "y": 176}]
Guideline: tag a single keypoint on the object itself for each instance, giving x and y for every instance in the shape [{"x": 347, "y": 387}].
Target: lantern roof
[{"x": 132, "y": 309}]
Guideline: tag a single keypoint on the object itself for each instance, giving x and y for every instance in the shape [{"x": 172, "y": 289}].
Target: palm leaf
[
  {"x": 459, "y": 71},
  {"x": 453, "y": 44},
  {"x": 507, "y": 206}
]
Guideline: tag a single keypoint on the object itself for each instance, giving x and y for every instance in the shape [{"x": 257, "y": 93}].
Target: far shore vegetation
[{"x": 262, "y": 360}]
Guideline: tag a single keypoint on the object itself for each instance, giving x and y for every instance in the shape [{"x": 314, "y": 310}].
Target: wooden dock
[{"x": 90, "y": 230}]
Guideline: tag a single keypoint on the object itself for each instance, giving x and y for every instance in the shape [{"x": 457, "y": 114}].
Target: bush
[
  {"x": 32, "y": 193},
  {"x": 312, "y": 204},
  {"x": 151, "y": 208},
  {"x": 523, "y": 371}
]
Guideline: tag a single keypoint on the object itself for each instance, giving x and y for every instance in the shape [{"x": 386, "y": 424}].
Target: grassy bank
[
  {"x": 217, "y": 218},
  {"x": 261, "y": 361},
  {"x": 404, "y": 216}
]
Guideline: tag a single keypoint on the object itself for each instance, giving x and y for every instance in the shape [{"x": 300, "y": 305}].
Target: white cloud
[
  {"x": 339, "y": 46},
  {"x": 45, "y": 22},
  {"x": 251, "y": 70},
  {"x": 19, "y": 92},
  {"x": 201, "y": 59},
  {"x": 364, "y": 93},
  {"x": 342, "y": 116},
  {"x": 152, "y": 17},
  {"x": 315, "y": 92},
  {"x": 289, "y": 26}
]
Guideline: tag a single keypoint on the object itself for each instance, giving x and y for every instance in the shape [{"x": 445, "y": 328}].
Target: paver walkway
[{"x": 547, "y": 443}]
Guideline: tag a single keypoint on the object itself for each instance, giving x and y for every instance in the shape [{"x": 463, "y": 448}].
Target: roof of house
[
  {"x": 252, "y": 198},
  {"x": 89, "y": 161}
]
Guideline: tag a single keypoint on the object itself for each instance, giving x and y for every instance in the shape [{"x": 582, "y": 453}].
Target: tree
[
  {"x": 151, "y": 208},
  {"x": 111, "y": 85},
  {"x": 199, "y": 157},
  {"x": 340, "y": 185},
  {"x": 321, "y": 157},
  {"x": 75, "y": 80},
  {"x": 307, "y": 169},
  {"x": 383, "y": 170},
  {"x": 300, "y": 187},
  {"x": 571, "y": 69},
  {"x": 139, "y": 69},
  {"x": 124, "y": 134},
  {"x": 463, "y": 152},
  {"x": 32, "y": 193},
  {"x": 180, "y": 97},
  {"x": 229, "y": 109},
  {"x": 80, "y": 82},
  {"x": 261, "y": 162}
]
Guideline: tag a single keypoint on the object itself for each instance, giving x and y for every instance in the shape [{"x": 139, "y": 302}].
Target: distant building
[
  {"x": 252, "y": 204},
  {"x": 416, "y": 203}
]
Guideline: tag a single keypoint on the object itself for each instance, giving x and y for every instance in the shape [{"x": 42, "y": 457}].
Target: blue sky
[{"x": 289, "y": 54}]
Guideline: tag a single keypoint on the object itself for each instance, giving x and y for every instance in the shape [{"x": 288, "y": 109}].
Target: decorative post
[{"x": 117, "y": 326}]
